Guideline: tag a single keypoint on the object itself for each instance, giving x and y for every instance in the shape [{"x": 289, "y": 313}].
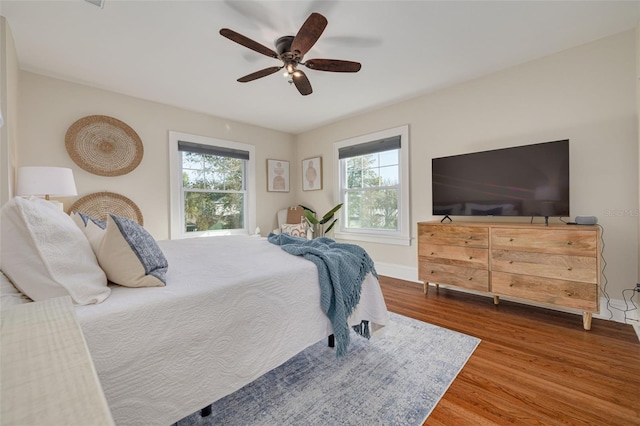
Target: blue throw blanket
[{"x": 341, "y": 270}]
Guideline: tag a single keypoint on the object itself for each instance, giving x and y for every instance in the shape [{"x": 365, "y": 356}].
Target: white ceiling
[{"x": 171, "y": 51}]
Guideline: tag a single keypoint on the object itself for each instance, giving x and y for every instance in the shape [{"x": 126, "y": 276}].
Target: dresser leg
[
  {"x": 426, "y": 286},
  {"x": 496, "y": 300},
  {"x": 586, "y": 320}
]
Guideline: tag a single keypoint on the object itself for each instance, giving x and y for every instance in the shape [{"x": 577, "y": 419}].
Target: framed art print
[
  {"x": 312, "y": 174},
  {"x": 277, "y": 176}
]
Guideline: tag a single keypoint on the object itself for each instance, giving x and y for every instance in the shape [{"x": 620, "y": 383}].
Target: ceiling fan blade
[
  {"x": 259, "y": 74},
  {"x": 333, "y": 65},
  {"x": 308, "y": 34},
  {"x": 247, "y": 42},
  {"x": 302, "y": 83}
]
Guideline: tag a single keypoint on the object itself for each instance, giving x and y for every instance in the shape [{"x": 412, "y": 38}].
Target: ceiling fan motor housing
[{"x": 283, "y": 44}]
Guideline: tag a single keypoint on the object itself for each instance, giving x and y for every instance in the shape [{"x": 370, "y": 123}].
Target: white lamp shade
[{"x": 46, "y": 181}]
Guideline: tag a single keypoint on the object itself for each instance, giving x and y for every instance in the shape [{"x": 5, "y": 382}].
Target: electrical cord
[
  {"x": 605, "y": 281},
  {"x": 603, "y": 287}
]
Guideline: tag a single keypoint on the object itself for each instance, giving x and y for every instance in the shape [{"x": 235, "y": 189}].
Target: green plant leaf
[
  {"x": 330, "y": 213},
  {"x": 307, "y": 209},
  {"x": 330, "y": 226},
  {"x": 310, "y": 216}
]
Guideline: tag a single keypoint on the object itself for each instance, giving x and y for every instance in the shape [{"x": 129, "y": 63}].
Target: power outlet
[{"x": 638, "y": 287}]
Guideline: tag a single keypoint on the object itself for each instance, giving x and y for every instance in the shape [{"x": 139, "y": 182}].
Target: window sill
[{"x": 373, "y": 238}]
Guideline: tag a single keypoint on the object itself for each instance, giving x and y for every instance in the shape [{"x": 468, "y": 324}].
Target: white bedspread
[{"x": 234, "y": 308}]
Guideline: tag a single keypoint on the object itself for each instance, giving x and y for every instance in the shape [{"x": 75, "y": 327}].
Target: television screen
[{"x": 530, "y": 180}]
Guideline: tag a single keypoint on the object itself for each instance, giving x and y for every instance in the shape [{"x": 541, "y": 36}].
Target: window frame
[
  {"x": 176, "y": 194},
  {"x": 401, "y": 236}
]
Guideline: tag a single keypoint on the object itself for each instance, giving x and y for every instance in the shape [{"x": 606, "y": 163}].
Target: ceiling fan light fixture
[{"x": 291, "y": 51}]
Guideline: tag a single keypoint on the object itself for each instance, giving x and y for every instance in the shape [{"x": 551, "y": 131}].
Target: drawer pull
[
  {"x": 470, "y": 278},
  {"x": 569, "y": 243},
  {"x": 431, "y": 235},
  {"x": 470, "y": 237},
  {"x": 433, "y": 272},
  {"x": 511, "y": 261},
  {"x": 510, "y": 239},
  {"x": 569, "y": 268},
  {"x": 569, "y": 293},
  {"x": 510, "y": 284},
  {"x": 470, "y": 257},
  {"x": 432, "y": 253}
]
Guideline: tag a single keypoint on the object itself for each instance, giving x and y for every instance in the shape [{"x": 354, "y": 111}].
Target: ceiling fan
[{"x": 291, "y": 50}]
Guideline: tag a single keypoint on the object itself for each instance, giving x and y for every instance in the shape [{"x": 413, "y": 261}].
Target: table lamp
[{"x": 46, "y": 182}]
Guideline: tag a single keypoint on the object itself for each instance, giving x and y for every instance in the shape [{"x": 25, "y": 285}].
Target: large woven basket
[
  {"x": 104, "y": 145},
  {"x": 101, "y": 204}
]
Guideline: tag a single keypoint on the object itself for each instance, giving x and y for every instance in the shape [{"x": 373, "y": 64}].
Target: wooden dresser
[{"x": 555, "y": 265}]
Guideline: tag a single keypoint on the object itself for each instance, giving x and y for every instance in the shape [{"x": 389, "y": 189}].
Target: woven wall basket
[
  {"x": 101, "y": 204},
  {"x": 104, "y": 145}
]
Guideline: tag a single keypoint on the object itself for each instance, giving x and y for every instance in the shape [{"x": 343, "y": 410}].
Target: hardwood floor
[{"x": 534, "y": 366}]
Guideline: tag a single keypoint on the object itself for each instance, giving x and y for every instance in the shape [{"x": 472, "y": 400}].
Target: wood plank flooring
[{"x": 534, "y": 366}]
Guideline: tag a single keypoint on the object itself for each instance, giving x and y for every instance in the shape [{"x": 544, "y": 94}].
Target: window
[
  {"x": 373, "y": 184},
  {"x": 212, "y": 186}
]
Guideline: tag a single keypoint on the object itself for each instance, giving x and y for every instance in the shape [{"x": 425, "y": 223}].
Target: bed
[{"x": 233, "y": 308}]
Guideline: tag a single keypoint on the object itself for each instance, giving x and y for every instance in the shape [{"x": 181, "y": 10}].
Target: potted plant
[{"x": 319, "y": 226}]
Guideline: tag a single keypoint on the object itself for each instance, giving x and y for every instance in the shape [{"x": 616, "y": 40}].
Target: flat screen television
[{"x": 529, "y": 180}]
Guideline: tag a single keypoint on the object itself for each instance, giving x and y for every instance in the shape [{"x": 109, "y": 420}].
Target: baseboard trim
[
  {"x": 616, "y": 313},
  {"x": 401, "y": 272}
]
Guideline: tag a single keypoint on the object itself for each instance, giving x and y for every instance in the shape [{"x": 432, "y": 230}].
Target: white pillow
[
  {"x": 9, "y": 294},
  {"x": 297, "y": 230},
  {"x": 130, "y": 256},
  {"x": 45, "y": 255},
  {"x": 92, "y": 228}
]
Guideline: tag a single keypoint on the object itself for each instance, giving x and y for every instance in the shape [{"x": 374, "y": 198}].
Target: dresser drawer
[
  {"x": 466, "y": 236},
  {"x": 455, "y": 255},
  {"x": 554, "y": 241},
  {"x": 571, "y": 268},
  {"x": 471, "y": 278},
  {"x": 567, "y": 294}
]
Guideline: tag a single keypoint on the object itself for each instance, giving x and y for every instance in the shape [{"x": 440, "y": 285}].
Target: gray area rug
[{"x": 396, "y": 378}]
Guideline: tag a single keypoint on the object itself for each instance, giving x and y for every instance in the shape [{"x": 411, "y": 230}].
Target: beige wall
[
  {"x": 585, "y": 94},
  {"x": 9, "y": 106},
  {"x": 49, "y": 106}
]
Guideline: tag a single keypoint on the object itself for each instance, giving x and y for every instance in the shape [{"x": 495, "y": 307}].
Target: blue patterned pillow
[
  {"x": 86, "y": 218},
  {"x": 130, "y": 256}
]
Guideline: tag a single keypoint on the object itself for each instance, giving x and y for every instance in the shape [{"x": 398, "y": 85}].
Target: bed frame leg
[
  {"x": 331, "y": 341},
  {"x": 206, "y": 411}
]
